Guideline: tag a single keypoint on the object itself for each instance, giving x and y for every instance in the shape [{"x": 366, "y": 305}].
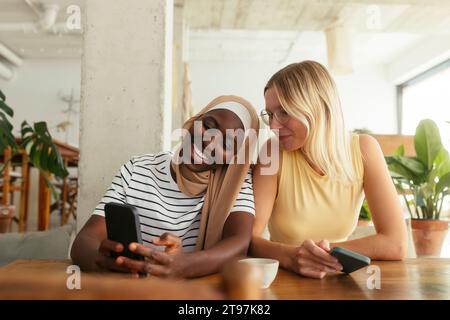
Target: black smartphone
[
  {"x": 350, "y": 260},
  {"x": 123, "y": 226}
]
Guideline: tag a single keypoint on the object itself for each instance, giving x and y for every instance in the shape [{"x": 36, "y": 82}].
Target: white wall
[
  {"x": 368, "y": 100},
  {"x": 367, "y": 97},
  {"x": 212, "y": 79},
  {"x": 33, "y": 94}
]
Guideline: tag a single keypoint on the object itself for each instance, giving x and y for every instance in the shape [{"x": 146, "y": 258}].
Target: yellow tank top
[{"x": 311, "y": 206}]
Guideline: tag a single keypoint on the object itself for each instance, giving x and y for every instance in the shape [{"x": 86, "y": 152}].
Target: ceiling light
[{"x": 339, "y": 50}]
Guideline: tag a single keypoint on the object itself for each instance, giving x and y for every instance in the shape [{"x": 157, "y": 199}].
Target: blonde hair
[{"x": 307, "y": 92}]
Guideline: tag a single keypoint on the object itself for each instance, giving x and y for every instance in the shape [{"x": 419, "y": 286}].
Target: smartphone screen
[{"x": 123, "y": 226}]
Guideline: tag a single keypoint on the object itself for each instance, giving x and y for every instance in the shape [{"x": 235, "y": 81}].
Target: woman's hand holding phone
[
  {"x": 123, "y": 250},
  {"x": 313, "y": 259},
  {"x": 157, "y": 263},
  {"x": 170, "y": 263},
  {"x": 105, "y": 260}
]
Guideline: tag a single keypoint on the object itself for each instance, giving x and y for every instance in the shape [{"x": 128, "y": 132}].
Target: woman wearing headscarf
[{"x": 196, "y": 203}]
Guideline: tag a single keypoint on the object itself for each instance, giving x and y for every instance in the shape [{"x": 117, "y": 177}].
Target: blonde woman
[{"x": 311, "y": 203}]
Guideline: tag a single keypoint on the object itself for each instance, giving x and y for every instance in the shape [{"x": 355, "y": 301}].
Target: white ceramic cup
[{"x": 268, "y": 267}]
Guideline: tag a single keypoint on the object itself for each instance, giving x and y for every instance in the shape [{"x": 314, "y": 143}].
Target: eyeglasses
[{"x": 281, "y": 116}]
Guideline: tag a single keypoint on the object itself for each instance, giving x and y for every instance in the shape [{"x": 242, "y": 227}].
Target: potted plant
[
  {"x": 39, "y": 147},
  {"x": 424, "y": 182}
]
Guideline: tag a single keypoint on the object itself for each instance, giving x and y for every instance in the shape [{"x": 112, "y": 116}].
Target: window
[{"x": 427, "y": 96}]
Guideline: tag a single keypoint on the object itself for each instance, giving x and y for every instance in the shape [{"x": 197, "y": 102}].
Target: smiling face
[
  {"x": 203, "y": 144},
  {"x": 293, "y": 133}
]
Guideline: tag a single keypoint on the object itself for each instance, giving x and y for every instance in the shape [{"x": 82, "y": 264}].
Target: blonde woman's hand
[{"x": 313, "y": 259}]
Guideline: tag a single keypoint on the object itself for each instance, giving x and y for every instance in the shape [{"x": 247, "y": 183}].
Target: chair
[
  {"x": 68, "y": 187},
  {"x": 13, "y": 181},
  {"x": 68, "y": 201}
]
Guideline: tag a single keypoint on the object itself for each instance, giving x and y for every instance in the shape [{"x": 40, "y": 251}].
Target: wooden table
[
  {"x": 46, "y": 279},
  {"x": 70, "y": 156}
]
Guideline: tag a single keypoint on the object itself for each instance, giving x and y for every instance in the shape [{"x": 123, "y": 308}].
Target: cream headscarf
[{"x": 221, "y": 185}]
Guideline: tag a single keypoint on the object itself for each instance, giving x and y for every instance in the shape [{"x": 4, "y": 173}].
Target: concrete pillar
[
  {"x": 126, "y": 90},
  {"x": 179, "y": 58}
]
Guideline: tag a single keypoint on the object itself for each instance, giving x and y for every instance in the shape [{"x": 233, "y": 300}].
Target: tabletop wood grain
[{"x": 409, "y": 279}]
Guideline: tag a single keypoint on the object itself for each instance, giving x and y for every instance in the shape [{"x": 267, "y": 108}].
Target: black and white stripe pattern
[{"x": 146, "y": 183}]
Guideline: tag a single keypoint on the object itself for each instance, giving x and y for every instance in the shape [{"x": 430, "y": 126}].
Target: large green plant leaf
[
  {"x": 399, "y": 170},
  {"x": 5, "y": 120},
  {"x": 400, "y": 151},
  {"x": 427, "y": 142},
  {"x": 412, "y": 164},
  {"x": 42, "y": 152},
  {"x": 442, "y": 162},
  {"x": 5, "y": 108},
  {"x": 6, "y": 135},
  {"x": 7, "y": 138}
]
